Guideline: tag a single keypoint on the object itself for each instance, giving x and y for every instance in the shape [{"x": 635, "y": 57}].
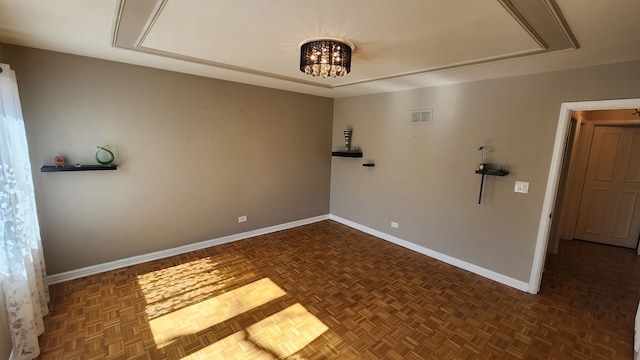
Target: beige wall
[
  {"x": 424, "y": 175},
  {"x": 196, "y": 153},
  {"x": 193, "y": 154}
]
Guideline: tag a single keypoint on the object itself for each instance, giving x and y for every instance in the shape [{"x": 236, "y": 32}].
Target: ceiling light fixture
[{"x": 325, "y": 57}]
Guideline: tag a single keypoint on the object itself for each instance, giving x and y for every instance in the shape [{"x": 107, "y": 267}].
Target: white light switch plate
[{"x": 521, "y": 187}]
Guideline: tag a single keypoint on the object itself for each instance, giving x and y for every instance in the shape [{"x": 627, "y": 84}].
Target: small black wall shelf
[
  {"x": 369, "y": 164},
  {"x": 493, "y": 172},
  {"x": 351, "y": 154},
  {"x": 77, "y": 168}
]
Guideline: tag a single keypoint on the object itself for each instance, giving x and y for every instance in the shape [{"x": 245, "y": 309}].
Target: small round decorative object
[{"x": 104, "y": 156}]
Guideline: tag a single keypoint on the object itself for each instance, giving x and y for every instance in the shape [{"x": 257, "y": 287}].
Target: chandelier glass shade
[{"x": 326, "y": 57}]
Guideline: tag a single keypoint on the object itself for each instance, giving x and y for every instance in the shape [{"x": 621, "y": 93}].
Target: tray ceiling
[{"x": 399, "y": 44}]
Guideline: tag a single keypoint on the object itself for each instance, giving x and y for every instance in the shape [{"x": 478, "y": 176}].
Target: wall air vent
[{"x": 424, "y": 116}]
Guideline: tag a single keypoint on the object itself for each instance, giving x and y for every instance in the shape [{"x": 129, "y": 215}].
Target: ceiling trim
[
  {"x": 507, "y": 5},
  {"x": 446, "y": 67},
  {"x": 116, "y": 25},
  {"x": 135, "y": 19},
  {"x": 143, "y": 16},
  {"x": 151, "y": 23},
  {"x": 554, "y": 9},
  {"x": 229, "y": 67}
]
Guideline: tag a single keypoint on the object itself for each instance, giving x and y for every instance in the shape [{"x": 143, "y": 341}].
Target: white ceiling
[{"x": 400, "y": 44}]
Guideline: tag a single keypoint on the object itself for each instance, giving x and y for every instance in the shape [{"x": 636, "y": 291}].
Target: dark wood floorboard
[{"x": 326, "y": 291}]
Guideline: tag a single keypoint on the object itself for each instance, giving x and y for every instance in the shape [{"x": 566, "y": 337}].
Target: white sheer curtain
[{"x": 22, "y": 270}]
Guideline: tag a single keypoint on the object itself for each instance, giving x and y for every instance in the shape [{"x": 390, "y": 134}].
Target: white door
[{"x": 610, "y": 206}]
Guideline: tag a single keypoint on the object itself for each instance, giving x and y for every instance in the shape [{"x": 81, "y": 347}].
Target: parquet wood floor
[{"x": 326, "y": 291}]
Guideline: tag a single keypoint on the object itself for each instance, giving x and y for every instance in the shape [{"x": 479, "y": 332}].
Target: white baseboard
[
  {"x": 506, "y": 280},
  {"x": 134, "y": 260}
]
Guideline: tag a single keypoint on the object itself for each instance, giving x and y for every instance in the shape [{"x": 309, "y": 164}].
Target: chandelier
[{"x": 326, "y": 57}]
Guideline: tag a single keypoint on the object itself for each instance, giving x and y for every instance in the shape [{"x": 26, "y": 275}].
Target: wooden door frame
[{"x": 553, "y": 181}]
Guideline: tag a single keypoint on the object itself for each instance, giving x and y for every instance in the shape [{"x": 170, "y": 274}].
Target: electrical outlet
[
  {"x": 394, "y": 225},
  {"x": 242, "y": 218}
]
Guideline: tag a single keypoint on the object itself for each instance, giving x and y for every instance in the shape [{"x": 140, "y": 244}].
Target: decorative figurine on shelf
[
  {"x": 347, "y": 139},
  {"x": 104, "y": 156},
  {"x": 58, "y": 161},
  {"x": 484, "y": 165}
]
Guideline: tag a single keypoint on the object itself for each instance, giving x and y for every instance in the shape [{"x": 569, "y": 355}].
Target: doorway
[{"x": 553, "y": 181}]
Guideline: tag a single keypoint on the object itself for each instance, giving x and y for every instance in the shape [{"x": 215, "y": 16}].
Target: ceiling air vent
[{"x": 424, "y": 116}]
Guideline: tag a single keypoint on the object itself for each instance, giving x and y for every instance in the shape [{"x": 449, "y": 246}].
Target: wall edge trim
[
  {"x": 478, "y": 270},
  {"x": 156, "y": 255}
]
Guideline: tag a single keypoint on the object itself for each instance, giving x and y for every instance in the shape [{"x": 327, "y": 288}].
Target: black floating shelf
[
  {"x": 369, "y": 165},
  {"x": 78, "y": 168},
  {"x": 493, "y": 172},
  {"x": 352, "y": 154}
]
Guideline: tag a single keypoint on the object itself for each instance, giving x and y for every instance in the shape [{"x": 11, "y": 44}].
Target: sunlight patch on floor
[
  {"x": 203, "y": 315},
  {"x": 169, "y": 289},
  {"x": 276, "y": 337}
]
